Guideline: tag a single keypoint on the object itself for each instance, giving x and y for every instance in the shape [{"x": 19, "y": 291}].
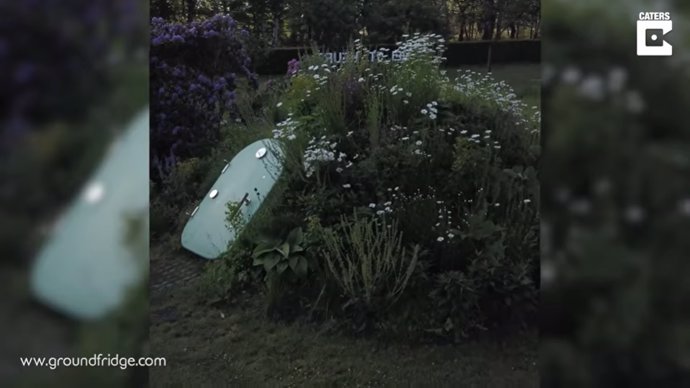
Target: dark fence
[{"x": 458, "y": 54}]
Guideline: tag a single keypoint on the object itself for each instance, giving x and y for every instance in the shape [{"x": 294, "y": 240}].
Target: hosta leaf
[
  {"x": 293, "y": 263},
  {"x": 302, "y": 267},
  {"x": 282, "y": 266},
  {"x": 284, "y": 249},
  {"x": 295, "y": 237},
  {"x": 260, "y": 251},
  {"x": 270, "y": 262}
]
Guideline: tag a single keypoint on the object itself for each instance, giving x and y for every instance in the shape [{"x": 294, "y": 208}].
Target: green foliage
[
  {"x": 470, "y": 157},
  {"x": 367, "y": 260},
  {"x": 222, "y": 277},
  {"x": 456, "y": 299},
  {"x": 179, "y": 190},
  {"x": 491, "y": 291},
  {"x": 616, "y": 210},
  {"x": 234, "y": 217},
  {"x": 283, "y": 259}
]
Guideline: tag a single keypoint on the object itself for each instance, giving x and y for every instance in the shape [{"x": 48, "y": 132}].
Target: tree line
[{"x": 275, "y": 23}]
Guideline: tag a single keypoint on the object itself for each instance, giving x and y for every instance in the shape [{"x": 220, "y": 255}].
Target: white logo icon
[{"x": 652, "y": 29}]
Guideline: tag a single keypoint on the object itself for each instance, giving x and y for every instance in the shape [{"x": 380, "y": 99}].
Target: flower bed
[{"x": 406, "y": 194}]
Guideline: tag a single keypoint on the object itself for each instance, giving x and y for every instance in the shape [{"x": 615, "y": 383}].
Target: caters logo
[{"x": 652, "y": 28}]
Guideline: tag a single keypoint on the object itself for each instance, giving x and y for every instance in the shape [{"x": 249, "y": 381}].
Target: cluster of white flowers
[
  {"x": 286, "y": 129},
  {"x": 383, "y": 208},
  {"x": 413, "y": 138},
  {"x": 423, "y": 45},
  {"x": 323, "y": 151},
  {"x": 446, "y": 224},
  {"x": 536, "y": 118},
  {"x": 320, "y": 74},
  {"x": 477, "y": 138},
  {"x": 597, "y": 87},
  {"x": 431, "y": 110},
  {"x": 316, "y": 69},
  {"x": 389, "y": 202},
  {"x": 395, "y": 89},
  {"x": 449, "y": 131},
  {"x": 318, "y": 151},
  {"x": 374, "y": 77},
  {"x": 484, "y": 87}
]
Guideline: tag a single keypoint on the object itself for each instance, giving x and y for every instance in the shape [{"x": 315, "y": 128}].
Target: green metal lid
[
  {"x": 246, "y": 180},
  {"x": 87, "y": 267}
]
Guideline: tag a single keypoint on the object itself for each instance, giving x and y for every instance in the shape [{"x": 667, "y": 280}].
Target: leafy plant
[
  {"x": 283, "y": 258},
  {"x": 231, "y": 272},
  {"x": 234, "y": 216},
  {"x": 455, "y": 298},
  {"x": 217, "y": 281}
]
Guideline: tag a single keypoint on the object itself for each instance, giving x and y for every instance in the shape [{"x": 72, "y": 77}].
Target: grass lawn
[{"x": 236, "y": 345}]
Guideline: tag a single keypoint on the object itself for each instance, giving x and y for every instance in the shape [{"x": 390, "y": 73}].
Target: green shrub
[
  {"x": 455, "y": 300},
  {"x": 217, "y": 281},
  {"x": 173, "y": 197},
  {"x": 492, "y": 290},
  {"x": 223, "y": 277}
]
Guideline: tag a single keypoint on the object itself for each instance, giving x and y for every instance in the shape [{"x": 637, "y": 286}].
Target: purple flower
[
  {"x": 195, "y": 83},
  {"x": 293, "y": 67}
]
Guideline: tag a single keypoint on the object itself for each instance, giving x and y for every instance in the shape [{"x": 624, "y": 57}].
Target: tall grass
[{"x": 367, "y": 260}]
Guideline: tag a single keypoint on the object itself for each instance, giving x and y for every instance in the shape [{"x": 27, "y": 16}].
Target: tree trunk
[
  {"x": 489, "y": 20},
  {"x": 488, "y": 58},
  {"x": 276, "y": 32},
  {"x": 499, "y": 22},
  {"x": 191, "y": 9}
]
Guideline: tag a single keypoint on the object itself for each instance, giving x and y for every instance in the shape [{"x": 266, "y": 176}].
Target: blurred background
[
  {"x": 616, "y": 199},
  {"x": 73, "y": 79},
  {"x": 616, "y": 186}
]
